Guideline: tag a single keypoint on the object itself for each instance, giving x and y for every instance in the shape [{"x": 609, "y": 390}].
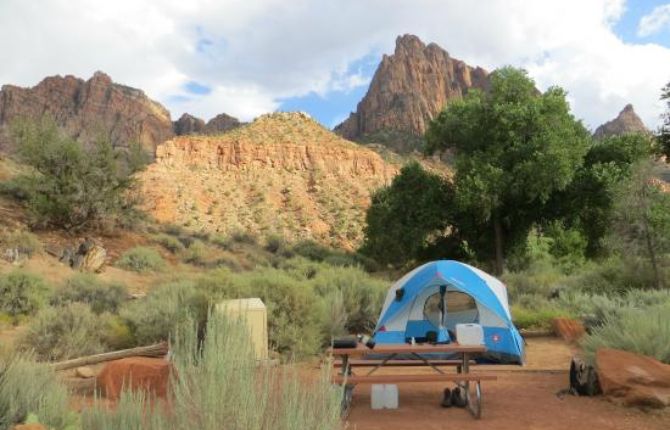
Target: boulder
[
  {"x": 89, "y": 257},
  {"x": 135, "y": 373},
  {"x": 568, "y": 329},
  {"x": 633, "y": 379},
  {"x": 84, "y": 372}
]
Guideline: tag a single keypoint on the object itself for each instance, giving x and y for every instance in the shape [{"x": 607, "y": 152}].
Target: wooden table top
[{"x": 405, "y": 348}]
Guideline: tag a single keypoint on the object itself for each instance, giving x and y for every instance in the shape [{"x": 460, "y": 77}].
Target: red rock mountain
[
  {"x": 189, "y": 125},
  {"x": 626, "y": 122},
  {"x": 87, "y": 108},
  {"x": 408, "y": 89}
]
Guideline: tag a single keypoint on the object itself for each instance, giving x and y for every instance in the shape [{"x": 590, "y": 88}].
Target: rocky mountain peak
[
  {"x": 84, "y": 109},
  {"x": 626, "y": 122},
  {"x": 408, "y": 89},
  {"x": 188, "y": 124}
]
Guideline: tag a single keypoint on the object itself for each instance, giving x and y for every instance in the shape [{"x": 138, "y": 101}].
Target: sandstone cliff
[
  {"x": 189, "y": 125},
  {"x": 282, "y": 174},
  {"x": 408, "y": 89},
  {"x": 626, "y": 122},
  {"x": 87, "y": 108}
]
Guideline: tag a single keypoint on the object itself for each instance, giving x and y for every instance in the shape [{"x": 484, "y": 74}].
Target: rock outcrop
[
  {"x": 633, "y": 379},
  {"x": 626, "y": 122},
  {"x": 408, "y": 89},
  {"x": 86, "y": 109},
  {"x": 284, "y": 174},
  {"x": 189, "y": 125},
  {"x": 221, "y": 123}
]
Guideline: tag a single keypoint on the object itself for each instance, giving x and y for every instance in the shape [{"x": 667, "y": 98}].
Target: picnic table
[{"x": 355, "y": 357}]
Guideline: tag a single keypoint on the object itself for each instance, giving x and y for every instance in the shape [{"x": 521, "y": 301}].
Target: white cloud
[
  {"x": 254, "y": 53},
  {"x": 655, "y": 21}
]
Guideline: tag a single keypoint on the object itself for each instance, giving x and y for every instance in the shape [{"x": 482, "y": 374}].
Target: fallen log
[{"x": 156, "y": 350}]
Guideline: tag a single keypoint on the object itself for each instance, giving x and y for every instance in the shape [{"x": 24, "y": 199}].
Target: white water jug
[{"x": 469, "y": 334}]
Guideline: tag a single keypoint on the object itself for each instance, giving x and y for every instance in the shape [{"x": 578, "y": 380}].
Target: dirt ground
[{"x": 521, "y": 398}]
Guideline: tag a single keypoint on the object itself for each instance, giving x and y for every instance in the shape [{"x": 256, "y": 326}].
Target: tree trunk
[
  {"x": 498, "y": 239},
  {"x": 652, "y": 255}
]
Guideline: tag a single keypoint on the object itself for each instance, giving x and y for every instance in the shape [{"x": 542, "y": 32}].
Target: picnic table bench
[{"x": 355, "y": 357}]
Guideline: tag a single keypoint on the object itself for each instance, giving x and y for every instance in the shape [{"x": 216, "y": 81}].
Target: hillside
[
  {"x": 408, "y": 89},
  {"x": 284, "y": 174}
]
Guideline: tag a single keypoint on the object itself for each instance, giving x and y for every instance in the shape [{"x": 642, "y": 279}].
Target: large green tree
[
  {"x": 514, "y": 148},
  {"x": 71, "y": 186},
  {"x": 407, "y": 216},
  {"x": 587, "y": 203},
  {"x": 641, "y": 220},
  {"x": 664, "y": 132}
]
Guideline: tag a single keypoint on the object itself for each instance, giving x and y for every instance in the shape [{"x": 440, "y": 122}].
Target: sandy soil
[{"x": 521, "y": 398}]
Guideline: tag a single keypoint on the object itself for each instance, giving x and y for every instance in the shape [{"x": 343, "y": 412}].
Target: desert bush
[
  {"x": 216, "y": 380},
  {"x": 195, "y": 253},
  {"x": 141, "y": 259},
  {"x": 24, "y": 241},
  {"x": 21, "y": 293},
  {"x": 540, "y": 278},
  {"x": 168, "y": 242},
  {"x": 246, "y": 237},
  {"x": 362, "y": 295},
  {"x": 155, "y": 317},
  {"x": 64, "y": 332},
  {"x": 86, "y": 288},
  {"x": 28, "y": 388},
  {"x": 642, "y": 331},
  {"x": 535, "y": 318}
]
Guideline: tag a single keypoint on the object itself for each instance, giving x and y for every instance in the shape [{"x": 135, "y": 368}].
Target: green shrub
[
  {"x": 65, "y": 332},
  {"x": 525, "y": 318},
  {"x": 86, "y": 288},
  {"x": 141, "y": 259},
  {"x": 216, "y": 380},
  {"x": 196, "y": 253},
  {"x": 246, "y": 237},
  {"x": 27, "y": 388},
  {"x": 155, "y": 317},
  {"x": 168, "y": 242},
  {"x": 642, "y": 331},
  {"x": 25, "y": 242},
  {"x": 71, "y": 186},
  {"x": 21, "y": 293}
]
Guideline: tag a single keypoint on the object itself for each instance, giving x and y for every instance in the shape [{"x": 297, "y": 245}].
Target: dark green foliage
[
  {"x": 641, "y": 221},
  {"x": 587, "y": 203},
  {"x": 21, "y": 293},
  {"x": 73, "y": 187},
  {"x": 664, "y": 132},
  {"x": 86, "y": 288},
  {"x": 514, "y": 149},
  {"x": 405, "y": 218}
]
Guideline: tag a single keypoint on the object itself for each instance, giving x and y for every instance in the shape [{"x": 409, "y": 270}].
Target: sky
[{"x": 249, "y": 57}]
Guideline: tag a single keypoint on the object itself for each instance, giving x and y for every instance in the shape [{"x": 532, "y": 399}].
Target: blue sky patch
[
  {"x": 332, "y": 108},
  {"x": 194, "y": 87},
  {"x": 627, "y": 26}
]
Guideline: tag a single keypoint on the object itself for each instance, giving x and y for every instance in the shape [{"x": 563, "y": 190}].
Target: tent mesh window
[{"x": 457, "y": 303}]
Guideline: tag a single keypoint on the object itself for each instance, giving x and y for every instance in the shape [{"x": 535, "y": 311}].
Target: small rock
[
  {"x": 570, "y": 330},
  {"x": 33, "y": 426},
  {"x": 84, "y": 372}
]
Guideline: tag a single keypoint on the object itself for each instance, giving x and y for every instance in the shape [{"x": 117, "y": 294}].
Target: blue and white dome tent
[{"x": 430, "y": 300}]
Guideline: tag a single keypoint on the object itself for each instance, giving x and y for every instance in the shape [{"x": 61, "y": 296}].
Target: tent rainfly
[{"x": 428, "y": 302}]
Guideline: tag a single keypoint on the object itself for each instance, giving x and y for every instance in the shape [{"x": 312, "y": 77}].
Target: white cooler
[
  {"x": 384, "y": 396},
  {"x": 469, "y": 334}
]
